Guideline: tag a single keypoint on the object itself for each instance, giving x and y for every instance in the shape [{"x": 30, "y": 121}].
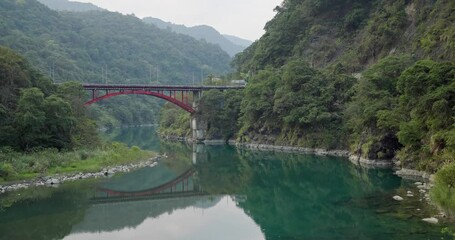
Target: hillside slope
[
  {"x": 79, "y": 46},
  {"x": 72, "y": 6},
  {"x": 101, "y": 46},
  {"x": 375, "y": 77},
  {"x": 232, "y": 45},
  {"x": 353, "y": 34}
]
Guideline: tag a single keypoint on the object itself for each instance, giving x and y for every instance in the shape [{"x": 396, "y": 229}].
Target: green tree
[
  {"x": 30, "y": 119},
  {"x": 427, "y": 101},
  {"x": 60, "y": 123}
]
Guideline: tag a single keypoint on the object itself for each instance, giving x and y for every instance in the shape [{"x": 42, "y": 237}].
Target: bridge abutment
[
  {"x": 199, "y": 128},
  {"x": 198, "y": 124}
]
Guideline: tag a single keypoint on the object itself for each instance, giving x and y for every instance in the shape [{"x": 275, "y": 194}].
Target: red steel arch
[{"x": 184, "y": 106}]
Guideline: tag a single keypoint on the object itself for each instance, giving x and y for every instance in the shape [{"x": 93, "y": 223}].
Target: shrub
[
  {"x": 7, "y": 171},
  {"x": 443, "y": 192}
]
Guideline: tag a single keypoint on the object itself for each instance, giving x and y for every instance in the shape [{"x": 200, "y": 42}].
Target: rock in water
[
  {"x": 398, "y": 198},
  {"x": 52, "y": 181},
  {"x": 432, "y": 220}
]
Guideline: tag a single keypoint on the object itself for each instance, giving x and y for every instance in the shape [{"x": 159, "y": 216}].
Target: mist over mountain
[
  {"x": 72, "y": 6},
  {"x": 238, "y": 41},
  {"x": 230, "y": 44}
]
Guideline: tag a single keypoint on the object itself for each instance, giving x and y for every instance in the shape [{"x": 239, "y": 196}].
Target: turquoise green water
[{"x": 220, "y": 192}]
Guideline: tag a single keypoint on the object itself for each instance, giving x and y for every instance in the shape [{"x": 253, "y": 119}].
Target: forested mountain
[
  {"x": 232, "y": 45},
  {"x": 77, "y": 46},
  {"x": 353, "y": 34},
  {"x": 72, "y": 6},
  {"x": 101, "y": 46},
  {"x": 375, "y": 77}
]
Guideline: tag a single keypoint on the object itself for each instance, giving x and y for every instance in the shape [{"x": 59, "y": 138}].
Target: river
[{"x": 221, "y": 192}]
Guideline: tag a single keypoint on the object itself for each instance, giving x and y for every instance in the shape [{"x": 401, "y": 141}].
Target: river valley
[{"x": 221, "y": 192}]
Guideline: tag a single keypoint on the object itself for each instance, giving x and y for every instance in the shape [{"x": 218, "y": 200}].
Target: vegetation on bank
[
  {"x": 106, "y": 47},
  {"x": 20, "y": 165},
  {"x": 36, "y": 114},
  {"x": 405, "y": 111},
  {"x": 443, "y": 193},
  {"x": 366, "y": 76},
  {"x": 219, "y": 109},
  {"x": 44, "y": 128},
  {"x": 174, "y": 121}
]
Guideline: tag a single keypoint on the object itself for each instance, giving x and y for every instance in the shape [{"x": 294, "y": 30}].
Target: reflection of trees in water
[
  {"x": 50, "y": 214},
  {"x": 223, "y": 172},
  {"x": 302, "y": 196},
  {"x": 291, "y": 196},
  {"x": 143, "y": 137}
]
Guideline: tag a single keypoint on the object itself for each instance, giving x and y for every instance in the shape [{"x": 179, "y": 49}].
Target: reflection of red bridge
[
  {"x": 181, "y": 186},
  {"x": 177, "y": 94}
]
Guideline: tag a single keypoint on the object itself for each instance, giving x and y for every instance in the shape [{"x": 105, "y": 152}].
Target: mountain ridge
[
  {"x": 73, "y": 6},
  {"x": 80, "y": 45},
  {"x": 231, "y": 44}
]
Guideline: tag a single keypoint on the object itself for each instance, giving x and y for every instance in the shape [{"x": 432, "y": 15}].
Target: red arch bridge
[{"x": 183, "y": 96}]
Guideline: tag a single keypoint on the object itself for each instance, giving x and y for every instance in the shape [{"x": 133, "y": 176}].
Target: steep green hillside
[
  {"x": 106, "y": 47},
  {"x": 353, "y": 34},
  {"x": 375, "y": 77},
  {"x": 77, "y": 46},
  {"x": 349, "y": 74}
]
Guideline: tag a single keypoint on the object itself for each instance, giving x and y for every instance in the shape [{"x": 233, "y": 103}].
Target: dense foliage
[
  {"x": 35, "y": 114},
  {"x": 298, "y": 94},
  {"x": 295, "y": 105},
  {"x": 352, "y": 34},
  {"x": 174, "y": 122},
  {"x": 44, "y": 128},
  {"x": 398, "y": 106},
  {"x": 443, "y": 193},
  {"x": 102, "y": 46},
  {"x": 409, "y": 108},
  {"x": 220, "y": 110},
  {"x": 77, "y": 46}
]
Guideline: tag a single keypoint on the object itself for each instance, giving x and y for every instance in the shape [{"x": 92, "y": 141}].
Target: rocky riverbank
[
  {"x": 355, "y": 159},
  {"x": 267, "y": 147},
  {"x": 60, "y": 178}
]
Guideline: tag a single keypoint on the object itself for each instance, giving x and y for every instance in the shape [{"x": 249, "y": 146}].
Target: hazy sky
[{"x": 242, "y": 18}]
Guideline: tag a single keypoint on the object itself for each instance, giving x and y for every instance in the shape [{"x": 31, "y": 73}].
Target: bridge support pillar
[
  {"x": 198, "y": 125},
  {"x": 199, "y": 128},
  {"x": 199, "y": 154}
]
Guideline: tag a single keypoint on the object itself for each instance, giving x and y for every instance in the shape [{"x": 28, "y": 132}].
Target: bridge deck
[{"x": 91, "y": 86}]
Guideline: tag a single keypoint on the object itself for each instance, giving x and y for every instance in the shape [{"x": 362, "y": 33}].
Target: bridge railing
[{"x": 96, "y": 86}]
